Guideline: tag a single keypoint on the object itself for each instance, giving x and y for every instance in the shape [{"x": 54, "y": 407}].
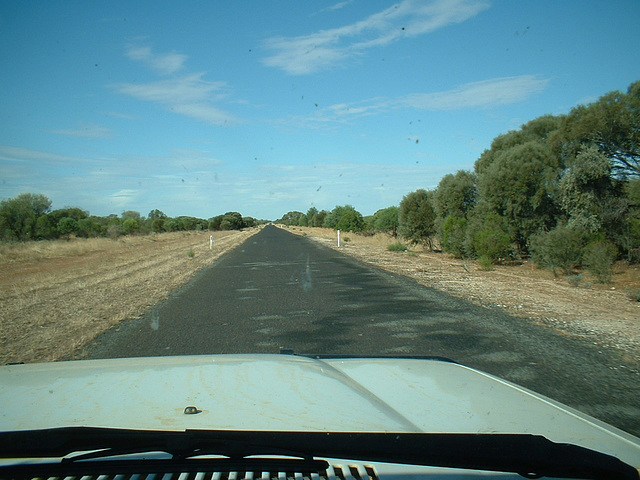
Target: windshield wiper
[{"x": 532, "y": 456}]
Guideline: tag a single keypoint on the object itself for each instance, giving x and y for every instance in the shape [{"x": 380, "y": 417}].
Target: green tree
[
  {"x": 417, "y": 218},
  {"x": 231, "y": 221},
  {"x": 313, "y": 218},
  {"x": 130, "y": 225},
  {"x": 344, "y": 217},
  {"x": 586, "y": 188},
  {"x": 214, "y": 222},
  {"x": 186, "y": 223},
  {"x": 318, "y": 218},
  {"x": 88, "y": 227},
  {"x": 519, "y": 185},
  {"x": 612, "y": 124},
  {"x": 172, "y": 225},
  {"x": 456, "y": 195},
  {"x": 560, "y": 248},
  {"x": 157, "y": 224},
  {"x": 249, "y": 222},
  {"x": 70, "y": 212},
  {"x": 155, "y": 214},
  {"x": 18, "y": 216},
  {"x": 333, "y": 217},
  {"x": 491, "y": 242},
  {"x": 44, "y": 228},
  {"x": 598, "y": 258},
  {"x": 350, "y": 221},
  {"x": 132, "y": 214},
  {"x": 290, "y": 218},
  {"x": 386, "y": 220},
  {"x": 454, "y": 231},
  {"x": 67, "y": 226}
]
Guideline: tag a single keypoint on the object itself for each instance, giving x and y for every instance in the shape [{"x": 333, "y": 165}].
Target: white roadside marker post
[
  {"x": 210, "y": 242},
  {"x": 338, "y": 238}
]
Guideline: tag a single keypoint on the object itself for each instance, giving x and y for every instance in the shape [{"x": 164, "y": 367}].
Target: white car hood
[{"x": 285, "y": 392}]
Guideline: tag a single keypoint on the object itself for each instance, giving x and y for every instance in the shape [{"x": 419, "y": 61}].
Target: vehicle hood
[{"x": 292, "y": 393}]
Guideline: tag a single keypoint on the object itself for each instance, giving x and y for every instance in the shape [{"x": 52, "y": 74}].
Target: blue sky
[{"x": 261, "y": 107}]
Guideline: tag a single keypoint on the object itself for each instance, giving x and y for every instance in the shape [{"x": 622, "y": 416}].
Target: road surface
[{"x": 282, "y": 290}]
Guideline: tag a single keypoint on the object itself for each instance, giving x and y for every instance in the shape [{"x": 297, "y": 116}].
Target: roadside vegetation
[
  {"x": 563, "y": 190},
  {"x": 29, "y": 217}
]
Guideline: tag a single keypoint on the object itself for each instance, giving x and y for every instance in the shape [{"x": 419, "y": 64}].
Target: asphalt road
[{"x": 282, "y": 290}]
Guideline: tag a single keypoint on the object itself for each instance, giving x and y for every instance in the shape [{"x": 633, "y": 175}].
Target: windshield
[{"x": 452, "y": 179}]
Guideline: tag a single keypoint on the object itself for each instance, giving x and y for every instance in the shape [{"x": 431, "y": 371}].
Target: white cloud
[
  {"x": 484, "y": 94},
  {"x": 123, "y": 199},
  {"x": 317, "y": 51},
  {"x": 88, "y": 130},
  {"x": 490, "y": 93},
  {"x": 339, "y": 5},
  {"x": 189, "y": 95},
  {"x": 9, "y": 153},
  {"x": 163, "y": 63}
]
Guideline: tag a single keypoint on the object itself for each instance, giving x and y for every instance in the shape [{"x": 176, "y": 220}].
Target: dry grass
[
  {"x": 57, "y": 296},
  {"x": 603, "y": 313}
]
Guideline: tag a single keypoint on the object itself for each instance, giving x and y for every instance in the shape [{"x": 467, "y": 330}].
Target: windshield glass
[{"x": 436, "y": 178}]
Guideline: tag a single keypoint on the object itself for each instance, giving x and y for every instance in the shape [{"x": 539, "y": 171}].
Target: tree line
[
  {"x": 29, "y": 217},
  {"x": 563, "y": 190}
]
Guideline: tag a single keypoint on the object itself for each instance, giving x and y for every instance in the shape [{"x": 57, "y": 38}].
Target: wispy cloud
[
  {"x": 163, "y": 63},
  {"x": 18, "y": 155},
  {"x": 490, "y": 93},
  {"x": 484, "y": 94},
  {"x": 339, "y": 5},
  {"x": 317, "y": 51},
  {"x": 334, "y": 7},
  {"x": 187, "y": 94},
  {"x": 88, "y": 130}
]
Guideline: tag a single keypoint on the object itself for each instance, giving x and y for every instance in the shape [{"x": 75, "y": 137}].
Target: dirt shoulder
[
  {"x": 57, "y": 296},
  {"x": 603, "y": 314}
]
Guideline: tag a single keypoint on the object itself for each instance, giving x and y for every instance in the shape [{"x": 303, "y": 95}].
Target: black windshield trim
[{"x": 528, "y": 455}]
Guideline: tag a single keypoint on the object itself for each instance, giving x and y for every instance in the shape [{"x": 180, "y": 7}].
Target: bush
[
  {"x": 130, "y": 226},
  {"x": 114, "y": 230},
  {"x": 397, "y": 247},
  {"x": 575, "y": 280},
  {"x": 191, "y": 253},
  {"x": 416, "y": 218},
  {"x": 67, "y": 226},
  {"x": 453, "y": 235},
  {"x": 560, "y": 248},
  {"x": 491, "y": 242},
  {"x": 598, "y": 259},
  {"x": 485, "y": 263},
  {"x": 633, "y": 294}
]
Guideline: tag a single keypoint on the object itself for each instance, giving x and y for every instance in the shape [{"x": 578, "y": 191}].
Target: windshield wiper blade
[{"x": 528, "y": 455}]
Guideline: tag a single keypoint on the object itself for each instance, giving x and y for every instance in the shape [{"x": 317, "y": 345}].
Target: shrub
[
  {"x": 397, "y": 247},
  {"x": 130, "y": 226},
  {"x": 575, "y": 280},
  {"x": 633, "y": 294},
  {"x": 491, "y": 242},
  {"x": 191, "y": 253},
  {"x": 485, "y": 263},
  {"x": 598, "y": 259},
  {"x": 416, "y": 218},
  {"x": 560, "y": 248},
  {"x": 453, "y": 235}
]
